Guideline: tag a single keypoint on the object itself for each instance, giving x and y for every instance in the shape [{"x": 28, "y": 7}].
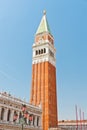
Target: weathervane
[{"x": 44, "y": 12}]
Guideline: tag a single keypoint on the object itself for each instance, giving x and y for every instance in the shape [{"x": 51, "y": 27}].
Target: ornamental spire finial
[
  {"x": 44, "y": 12},
  {"x": 43, "y": 26}
]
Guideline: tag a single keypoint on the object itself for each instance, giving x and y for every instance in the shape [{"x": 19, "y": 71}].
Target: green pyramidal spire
[{"x": 44, "y": 26}]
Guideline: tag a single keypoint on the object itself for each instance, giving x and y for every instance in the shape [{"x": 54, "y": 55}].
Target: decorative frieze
[{"x": 44, "y": 51}]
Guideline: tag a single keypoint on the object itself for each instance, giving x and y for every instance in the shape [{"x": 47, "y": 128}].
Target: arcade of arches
[{"x": 10, "y": 106}]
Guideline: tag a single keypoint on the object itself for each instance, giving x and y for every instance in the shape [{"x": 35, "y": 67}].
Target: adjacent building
[{"x": 11, "y": 114}]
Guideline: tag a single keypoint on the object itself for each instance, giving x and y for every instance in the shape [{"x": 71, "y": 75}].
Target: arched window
[
  {"x": 9, "y": 114},
  {"x": 41, "y": 51},
  {"x": 2, "y": 114},
  {"x": 36, "y": 52},
  {"x": 44, "y": 50}
]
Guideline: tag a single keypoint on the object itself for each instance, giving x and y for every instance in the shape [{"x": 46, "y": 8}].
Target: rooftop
[{"x": 44, "y": 26}]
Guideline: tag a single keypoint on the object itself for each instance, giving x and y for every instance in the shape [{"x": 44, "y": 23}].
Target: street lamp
[
  {"x": 30, "y": 118},
  {"x": 24, "y": 115},
  {"x": 15, "y": 117}
]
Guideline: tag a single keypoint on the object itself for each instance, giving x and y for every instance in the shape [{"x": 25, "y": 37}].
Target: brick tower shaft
[{"x": 43, "y": 90}]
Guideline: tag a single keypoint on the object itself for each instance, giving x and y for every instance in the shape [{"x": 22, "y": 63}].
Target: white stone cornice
[
  {"x": 49, "y": 55},
  {"x": 42, "y": 59},
  {"x": 43, "y": 42},
  {"x": 9, "y": 107},
  {"x": 17, "y": 101}
]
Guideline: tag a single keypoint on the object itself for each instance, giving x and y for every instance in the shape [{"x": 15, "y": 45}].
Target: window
[
  {"x": 36, "y": 52},
  {"x": 41, "y": 51},
  {"x": 44, "y": 50}
]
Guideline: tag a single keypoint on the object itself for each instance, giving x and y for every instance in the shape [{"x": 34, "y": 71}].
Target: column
[
  {"x": 39, "y": 122},
  {"x": 39, "y": 84},
  {"x": 0, "y": 112},
  {"x": 18, "y": 117},
  {"x": 27, "y": 120},
  {"x": 31, "y": 122},
  {"x": 12, "y": 114},
  {"x": 43, "y": 92},
  {"x": 35, "y": 122},
  {"x": 35, "y": 84},
  {"x": 5, "y": 114}
]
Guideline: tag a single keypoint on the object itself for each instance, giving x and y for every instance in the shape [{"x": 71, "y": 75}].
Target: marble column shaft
[
  {"x": 12, "y": 114},
  {"x": 5, "y": 114}
]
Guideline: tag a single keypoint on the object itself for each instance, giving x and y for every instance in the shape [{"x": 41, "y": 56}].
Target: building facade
[
  {"x": 11, "y": 114},
  {"x": 43, "y": 92}
]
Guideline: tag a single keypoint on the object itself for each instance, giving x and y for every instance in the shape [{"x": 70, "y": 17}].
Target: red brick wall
[{"x": 44, "y": 92}]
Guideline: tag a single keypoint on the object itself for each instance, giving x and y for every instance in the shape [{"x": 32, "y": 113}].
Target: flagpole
[
  {"x": 80, "y": 119},
  {"x": 76, "y": 118},
  {"x": 83, "y": 121}
]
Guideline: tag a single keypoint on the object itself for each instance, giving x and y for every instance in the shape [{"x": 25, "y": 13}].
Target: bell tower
[{"x": 43, "y": 91}]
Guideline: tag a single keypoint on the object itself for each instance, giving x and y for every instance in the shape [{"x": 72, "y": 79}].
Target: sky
[{"x": 19, "y": 20}]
